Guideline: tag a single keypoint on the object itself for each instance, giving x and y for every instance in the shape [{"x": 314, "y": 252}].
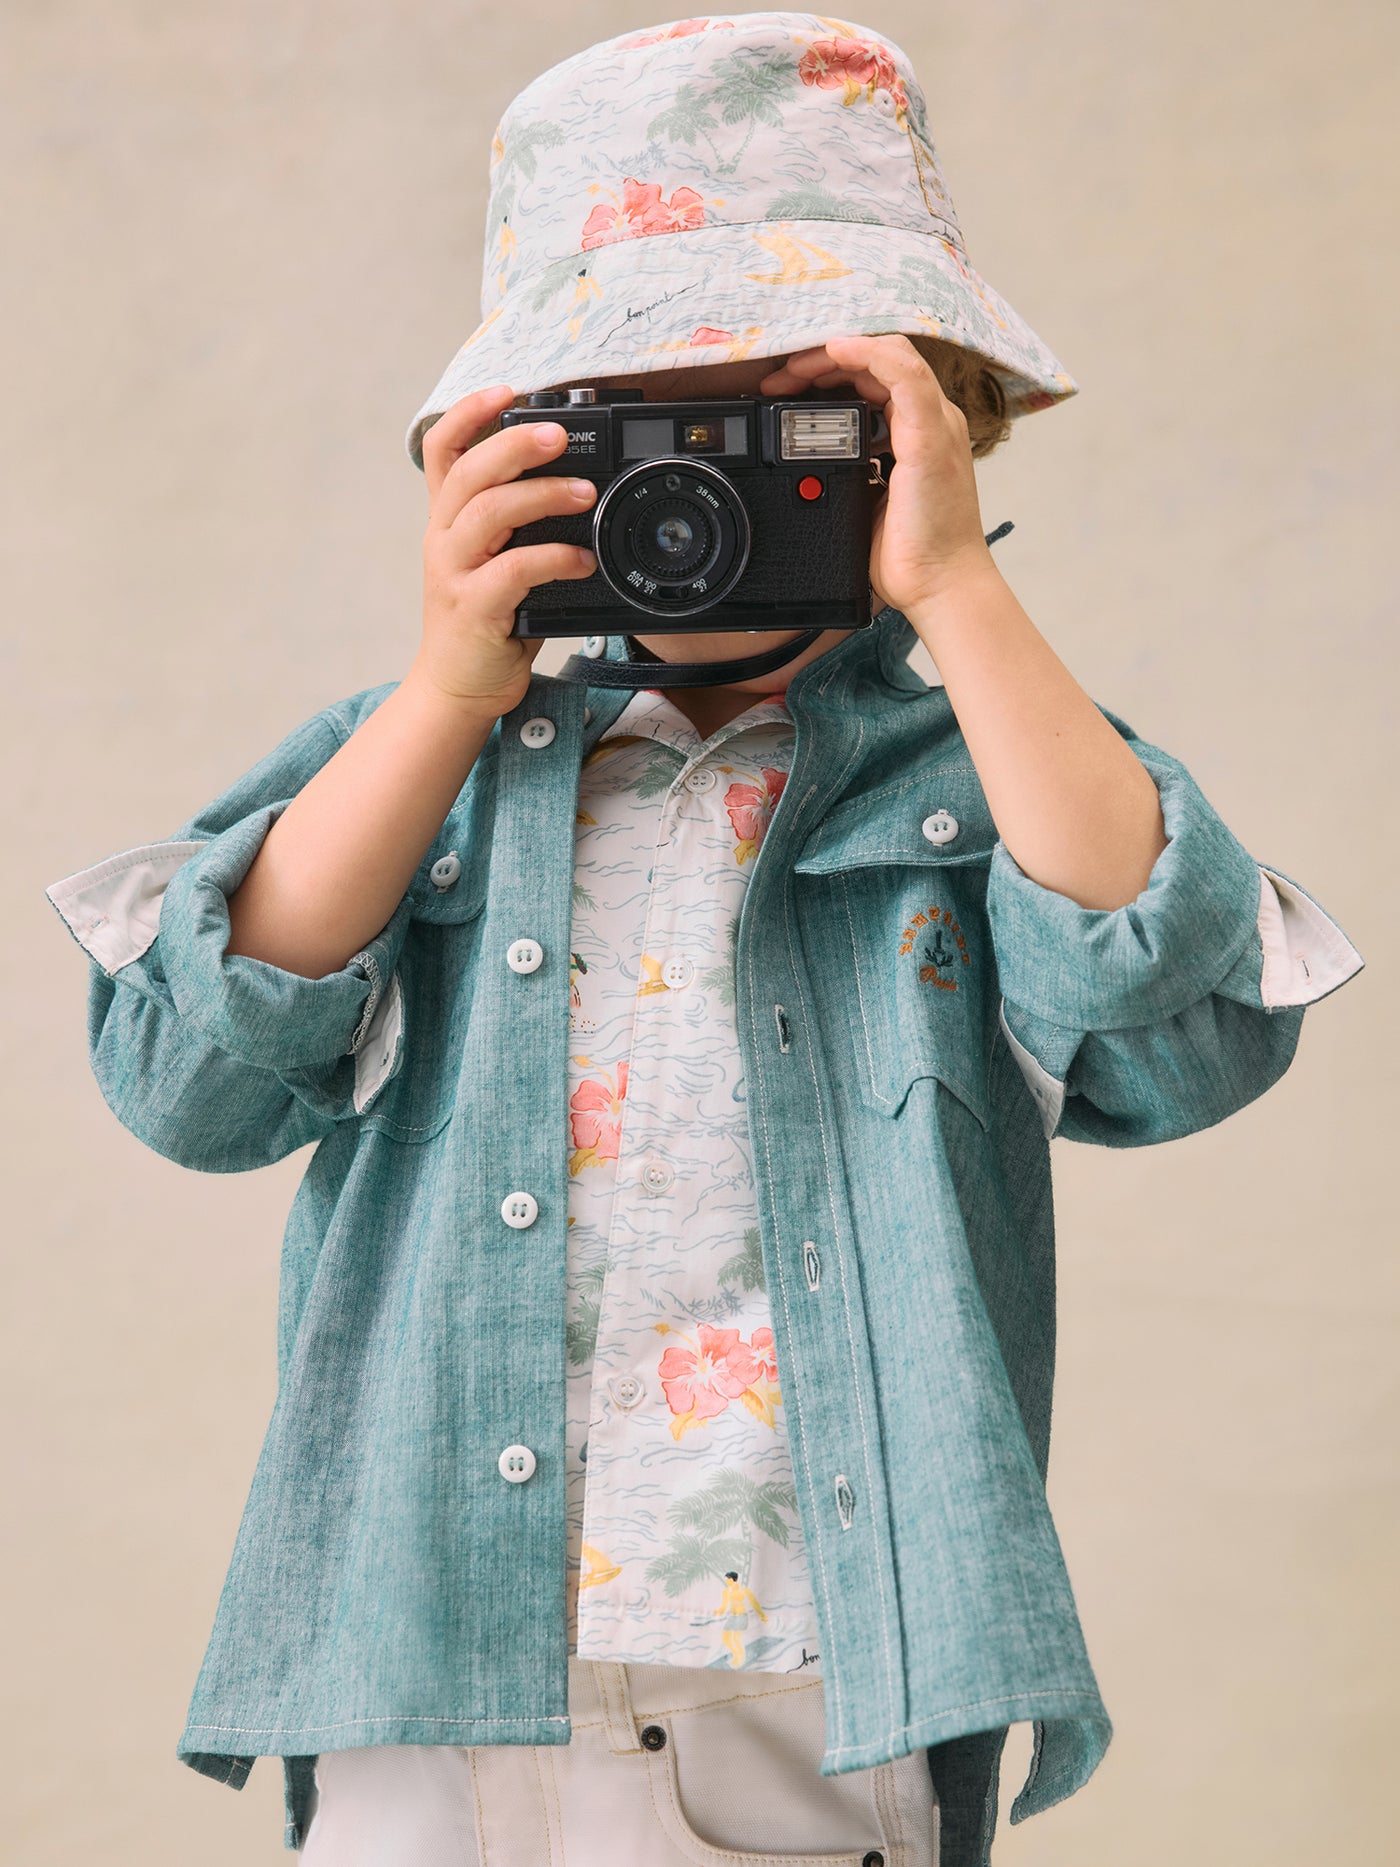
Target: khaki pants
[{"x": 667, "y": 1766}]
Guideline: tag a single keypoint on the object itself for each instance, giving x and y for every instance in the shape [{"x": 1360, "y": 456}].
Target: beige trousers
[{"x": 667, "y": 1766}]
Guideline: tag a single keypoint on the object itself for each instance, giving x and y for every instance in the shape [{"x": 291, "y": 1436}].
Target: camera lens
[{"x": 672, "y": 537}]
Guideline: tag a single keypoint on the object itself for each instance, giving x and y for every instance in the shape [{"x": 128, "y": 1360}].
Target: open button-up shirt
[{"x": 399, "y": 1571}]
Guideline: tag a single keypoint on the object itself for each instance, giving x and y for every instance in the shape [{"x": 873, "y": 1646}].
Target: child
[{"x": 667, "y": 1310}]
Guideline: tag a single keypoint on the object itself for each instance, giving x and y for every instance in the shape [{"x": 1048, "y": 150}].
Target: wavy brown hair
[{"x": 965, "y": 379}]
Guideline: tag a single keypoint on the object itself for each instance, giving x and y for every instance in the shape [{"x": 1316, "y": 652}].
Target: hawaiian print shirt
[{"x": 678, "y": 1467}]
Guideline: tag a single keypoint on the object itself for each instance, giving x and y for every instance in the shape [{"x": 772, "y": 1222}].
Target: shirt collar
[{"x": 651, "y": 714}]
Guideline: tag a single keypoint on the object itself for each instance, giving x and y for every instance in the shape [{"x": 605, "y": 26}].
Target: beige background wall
[{"x": 240, "y": 243}]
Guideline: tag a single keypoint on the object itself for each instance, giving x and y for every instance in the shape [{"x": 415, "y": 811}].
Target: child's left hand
[{"x": 927, "y": 530}]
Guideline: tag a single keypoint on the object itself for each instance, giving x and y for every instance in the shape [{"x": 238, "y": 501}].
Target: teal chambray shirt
[{"x": 388, "y": 1585}]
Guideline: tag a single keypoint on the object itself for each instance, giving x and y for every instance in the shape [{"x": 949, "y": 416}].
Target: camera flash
[{"x": 819, "y": 433}]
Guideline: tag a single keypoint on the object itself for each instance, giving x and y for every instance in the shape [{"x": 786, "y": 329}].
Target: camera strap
[{"x": 643, "y": 669}]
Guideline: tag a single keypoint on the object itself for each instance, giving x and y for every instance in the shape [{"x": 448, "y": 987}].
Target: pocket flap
[{"x": 936, "y": 818}]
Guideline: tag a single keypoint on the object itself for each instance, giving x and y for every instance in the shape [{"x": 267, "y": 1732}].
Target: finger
[
  {"x": 502, "y": 583},
  {"x": 800, "y": 368},
  {"x": 484, "y": 525},
  {"x": 865, "y": 385},
  {"x": 455, "y": 430},
  {"x": 893, "y": 360},
  {"x": 890, "y": 359},
  {"x": 499, "y": 458}
]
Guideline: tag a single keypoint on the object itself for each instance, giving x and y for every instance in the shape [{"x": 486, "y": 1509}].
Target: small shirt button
[
  {"x": 594, "y": 646},
  {"x": 445, "y": 870},
  {"x": 677, "y": 973},
  {"x": 520, "y": 1209},
  {"x": 627, "y": 1390},
  {"x": 941, "y": 827},
  {"x": 524, "y": 955},
  {"x": 587, "y": 715},
  {"x": 701, "y": 779},
  {"x": 516, "y": 1463},
  {"x": 655, "y": 1176},
  {"x": 537, "y": 732}
]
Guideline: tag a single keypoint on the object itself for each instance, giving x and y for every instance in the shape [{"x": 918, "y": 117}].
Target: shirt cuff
[
  {"x": 176, "y": 893},
  {"x": 1105, "y": 968}
]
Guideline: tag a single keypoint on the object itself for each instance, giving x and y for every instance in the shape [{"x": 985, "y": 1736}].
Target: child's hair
[
  {"x": 962, "y": 376},
  {"x": 965, "y": 379}
]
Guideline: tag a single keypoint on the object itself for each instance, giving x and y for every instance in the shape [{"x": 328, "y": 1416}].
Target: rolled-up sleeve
[
  {"x": 171, "y": 1012},
  {"x": 1158, "y": 1018}
]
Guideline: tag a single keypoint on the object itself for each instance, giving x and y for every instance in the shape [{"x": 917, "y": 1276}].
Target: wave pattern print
[{"x": 684, "y": 1544}]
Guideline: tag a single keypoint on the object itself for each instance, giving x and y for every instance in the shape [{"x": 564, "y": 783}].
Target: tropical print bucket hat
[{"x": 712, "y": 189}]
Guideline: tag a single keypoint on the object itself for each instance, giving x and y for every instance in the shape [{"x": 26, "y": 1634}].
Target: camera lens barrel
[{"x": 672, "y": 536}]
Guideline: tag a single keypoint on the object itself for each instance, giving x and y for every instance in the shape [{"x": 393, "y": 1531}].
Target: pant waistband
[{"x": 621, "y": 1695}]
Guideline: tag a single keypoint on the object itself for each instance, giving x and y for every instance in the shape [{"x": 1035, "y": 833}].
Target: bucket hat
[{"x": 713, "y": 189}]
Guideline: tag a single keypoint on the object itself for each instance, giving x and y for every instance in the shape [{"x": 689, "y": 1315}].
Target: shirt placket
[{"x": 682, "y": 933}]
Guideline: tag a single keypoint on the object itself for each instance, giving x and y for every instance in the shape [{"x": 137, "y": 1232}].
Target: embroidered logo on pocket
[{"x": 940, "y": 943}]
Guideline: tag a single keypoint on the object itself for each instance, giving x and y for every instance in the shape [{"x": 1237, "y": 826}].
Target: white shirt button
[
  {"x": 446, "y": 869},
  {"x": 941, "y": 827},
  {"x": 677, "y": 972},
  {"x": 516, "y": 1463},
  {"x": 587, "y": 715},
  {"x": 655, "y": 1176},
  {"x": 524, "y": 955},
  {"x": 701, "y": 779},
  {"x": 594, "y": 646},
  {"x": 520, "y": 1209},
  {"x": 627, "y": 1390},
  {"x": 538, "y": 732}
]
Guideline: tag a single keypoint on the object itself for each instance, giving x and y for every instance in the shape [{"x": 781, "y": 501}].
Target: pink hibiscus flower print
[
  {"x": 853, "y": 66},
  {"x": 642, "y": 211},
  {"x": 750, "y": 808},
  {"x": 595, "y": 1119},
  {"x": 700, "y": 1380},
  {"x": 762, "y": 1395}
]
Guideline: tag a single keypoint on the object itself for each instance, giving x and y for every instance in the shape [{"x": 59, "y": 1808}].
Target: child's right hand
[{"x": 471, "y": 584}]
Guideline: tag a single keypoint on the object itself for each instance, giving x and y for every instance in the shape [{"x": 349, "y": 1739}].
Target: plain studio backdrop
[{"x": 240, "y": 244}]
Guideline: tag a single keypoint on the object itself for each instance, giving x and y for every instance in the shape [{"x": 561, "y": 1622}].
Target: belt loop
[{"x": 615, "y": 1697}]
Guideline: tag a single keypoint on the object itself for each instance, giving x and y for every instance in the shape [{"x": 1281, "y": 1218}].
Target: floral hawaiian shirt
[{"x": 685, "y": 1545}]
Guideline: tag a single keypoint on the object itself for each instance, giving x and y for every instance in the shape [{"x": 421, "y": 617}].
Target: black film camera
[{"x": 744, "y": 512}]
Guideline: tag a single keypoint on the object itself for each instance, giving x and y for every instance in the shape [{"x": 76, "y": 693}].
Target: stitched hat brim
[{"x": 716, "y": 294}]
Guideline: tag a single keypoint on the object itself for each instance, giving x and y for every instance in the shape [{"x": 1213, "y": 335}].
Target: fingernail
[
  {"x": 580, "y": 488},
  {"x": 549, "y": 433}
]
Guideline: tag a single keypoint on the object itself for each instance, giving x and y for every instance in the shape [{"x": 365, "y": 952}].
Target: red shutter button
[{"x": 810, "y": 487}]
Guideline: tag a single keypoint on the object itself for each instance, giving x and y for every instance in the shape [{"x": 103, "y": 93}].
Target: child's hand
[
  {"x": 928, "y": 527},
  {"x": 471, "y": 585}
]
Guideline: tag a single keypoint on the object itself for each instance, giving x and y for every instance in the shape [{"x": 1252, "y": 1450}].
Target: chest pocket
[{"x": 895, "y": 900}]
